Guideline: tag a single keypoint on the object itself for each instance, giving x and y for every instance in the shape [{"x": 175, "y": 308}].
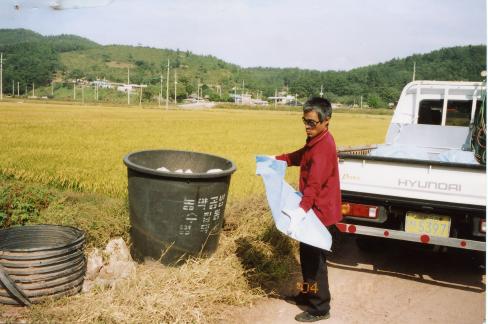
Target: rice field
[{"x": 81, "y": 147}]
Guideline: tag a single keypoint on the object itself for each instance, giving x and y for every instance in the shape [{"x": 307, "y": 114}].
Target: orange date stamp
[{"x": 307, "y": 287}]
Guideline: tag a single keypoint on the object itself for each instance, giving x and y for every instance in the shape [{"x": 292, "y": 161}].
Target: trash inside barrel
[
  {"x": 39, "y": 262},
  {"x": 177, "y": 201}
]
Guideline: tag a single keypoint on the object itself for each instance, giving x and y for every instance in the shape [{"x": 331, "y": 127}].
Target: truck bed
[{"x": 424, "y": 180}]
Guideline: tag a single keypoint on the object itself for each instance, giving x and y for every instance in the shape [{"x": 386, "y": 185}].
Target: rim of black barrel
[{"x": 196, "y": 175}]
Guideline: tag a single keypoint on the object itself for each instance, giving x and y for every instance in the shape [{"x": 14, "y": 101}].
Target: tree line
[{"x": 33, "y": 58}]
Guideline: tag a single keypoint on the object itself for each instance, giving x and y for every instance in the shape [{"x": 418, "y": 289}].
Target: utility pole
[
  {"x": 235, "y": 94},
  {"x": 128, "y": 89},
  {"x": 18, "y": 89},
  {"x": 176, "y": 82},
  {"x": 242, "y": 96},
  {"x": 82, "y": 94},
  {"x": 33, "y": 93},
  {"x": 167, "y": 86},
  {"x": 160, "y": 90},
  {"x": 361, "y": 102},
  {"x": 52, "y": 89},
  {"x": 413, "y": 75},
  {"x": 296, "y": 99},
  {"x": 198, "y": 89},
  {"x": 1, "y": 76},
  {"x": 74, "y": 90},
  {"x": 276, "y": 97},
  {"x": 13, "y": 88},
  {"x": 140, "y": 97},
  {"x": 321, "y": 90}
]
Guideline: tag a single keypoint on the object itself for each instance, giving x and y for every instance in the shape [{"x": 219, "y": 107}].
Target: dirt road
[{"x": 399, "y": 284}]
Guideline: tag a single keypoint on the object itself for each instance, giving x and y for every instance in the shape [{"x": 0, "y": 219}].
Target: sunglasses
[{"x": 310, "y": 122}]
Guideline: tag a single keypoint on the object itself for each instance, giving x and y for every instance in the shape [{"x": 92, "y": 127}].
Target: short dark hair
[{"x": 321, "y": 106}]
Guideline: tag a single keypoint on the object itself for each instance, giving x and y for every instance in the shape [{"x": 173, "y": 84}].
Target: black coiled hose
[{"x": 40, "y": 261}]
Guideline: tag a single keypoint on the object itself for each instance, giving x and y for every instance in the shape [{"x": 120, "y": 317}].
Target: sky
[{"x": 310, "y": 34}]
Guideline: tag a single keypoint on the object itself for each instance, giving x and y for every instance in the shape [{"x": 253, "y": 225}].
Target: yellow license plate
[{"x": 434, "y": 225}]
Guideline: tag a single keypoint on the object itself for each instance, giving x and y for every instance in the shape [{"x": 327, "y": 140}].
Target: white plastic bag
[{"x": 281, "y": 196}]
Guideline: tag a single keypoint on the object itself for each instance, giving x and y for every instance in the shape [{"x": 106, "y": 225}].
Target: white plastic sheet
[{"x": 281, "y": 196}]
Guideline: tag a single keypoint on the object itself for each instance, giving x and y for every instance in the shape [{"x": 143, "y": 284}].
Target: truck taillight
[
  {"x": 483, "y": 226},
  {"x": 360, "y": 210}
]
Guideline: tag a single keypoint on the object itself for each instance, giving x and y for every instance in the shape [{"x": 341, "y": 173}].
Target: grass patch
[
  {"x": 101, "y": 217},
  {"x": 21, "y": 203}
]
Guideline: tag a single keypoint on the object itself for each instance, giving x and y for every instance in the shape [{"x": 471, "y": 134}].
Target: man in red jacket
[{"x": 319, "y": 184}]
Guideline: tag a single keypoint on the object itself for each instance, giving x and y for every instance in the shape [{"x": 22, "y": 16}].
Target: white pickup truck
[{"x": 423, "y": 184}]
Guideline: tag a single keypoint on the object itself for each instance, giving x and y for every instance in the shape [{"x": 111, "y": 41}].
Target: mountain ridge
[{"x": 74, "y": 57}]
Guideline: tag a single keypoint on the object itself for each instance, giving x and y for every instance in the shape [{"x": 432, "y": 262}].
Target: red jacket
[{"x": 319, "y": 177}]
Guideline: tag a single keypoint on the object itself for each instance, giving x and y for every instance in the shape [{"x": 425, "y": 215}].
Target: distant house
[
  {"x": 125, "y": 88},
  {"x": 104, "y": 84},
  {"x": 259, "y": 102},
  {"x": 247, "y": 99},
  {"x": 130, "y": 87},
  {"x": 283, "y": 99}
]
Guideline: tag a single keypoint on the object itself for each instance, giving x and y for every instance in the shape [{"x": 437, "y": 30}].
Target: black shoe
[
  {"x": 296, "y": 300},
  {"x": 307, "y": 317}
]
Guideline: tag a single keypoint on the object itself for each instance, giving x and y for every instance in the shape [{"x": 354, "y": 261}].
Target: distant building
[
  {"x": 104, "y": 84},
  {"x": 125, "y": 88},
  {"x": 247, "y": 99},
  {"x": 259, "y": 102},
  {"x": 130, "y": 87},
  {"x": 283, "y": 99}
]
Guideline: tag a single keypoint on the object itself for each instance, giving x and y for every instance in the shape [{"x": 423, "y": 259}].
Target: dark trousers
[{"x": 315, "y": 289}]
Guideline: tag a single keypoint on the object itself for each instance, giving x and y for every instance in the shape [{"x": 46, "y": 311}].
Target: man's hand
[{"x": 296, "y": 215}]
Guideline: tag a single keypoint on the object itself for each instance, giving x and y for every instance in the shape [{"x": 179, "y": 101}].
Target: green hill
[
  {"x": 15, "y": 36},
  {"x": 67, "y": 57},
  {"x": 68, "y": 43}
]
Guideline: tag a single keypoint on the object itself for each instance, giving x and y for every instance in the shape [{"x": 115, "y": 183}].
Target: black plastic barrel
[{"x": 176, "y": 215}]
